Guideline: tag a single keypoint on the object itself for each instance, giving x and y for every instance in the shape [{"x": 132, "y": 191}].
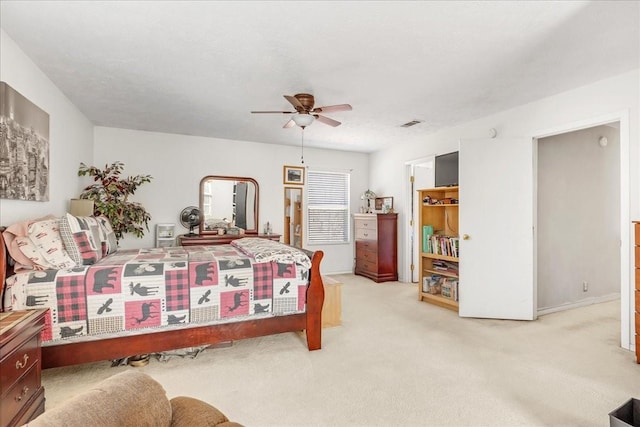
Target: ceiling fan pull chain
[{"x": 302, "y": 155}]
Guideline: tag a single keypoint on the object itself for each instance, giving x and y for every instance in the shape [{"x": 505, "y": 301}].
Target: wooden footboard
[{"x": 75, "y": 353}]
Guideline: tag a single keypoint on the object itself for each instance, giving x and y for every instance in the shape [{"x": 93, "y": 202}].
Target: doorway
[
  {"x": 620, "y": 121},
  {"x": 419, "y": 176},
  {"x": 578, "y": 211}
]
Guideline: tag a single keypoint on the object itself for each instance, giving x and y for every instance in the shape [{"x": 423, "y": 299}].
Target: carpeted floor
[{"x": 398, "y": 362}]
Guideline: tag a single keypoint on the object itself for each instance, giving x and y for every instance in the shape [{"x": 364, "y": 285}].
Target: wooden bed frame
[{"x": 75, "y": 353}]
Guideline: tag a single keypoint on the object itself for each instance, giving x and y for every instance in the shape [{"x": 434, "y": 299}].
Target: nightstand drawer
[
  {"x": 17, "y": 363},
  {"x": 20, "y": 393},
  {"x": 637, "y": 236}
]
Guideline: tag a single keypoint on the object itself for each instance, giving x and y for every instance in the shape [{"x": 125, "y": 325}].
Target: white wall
[
  {"x": 70, "y": 134},
  {"x": 578, "y": 217},
  {"x": 178, "y": 162}
]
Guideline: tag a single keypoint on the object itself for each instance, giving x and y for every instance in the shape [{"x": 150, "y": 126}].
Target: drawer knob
[
  {"x": 19, "y": 397},
  {"x": 20, "y": 365}
]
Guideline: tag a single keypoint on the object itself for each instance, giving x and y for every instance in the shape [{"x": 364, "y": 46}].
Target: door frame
[
  {"x": 621, "y": 117},
  {"x": 411, "y": 231}
]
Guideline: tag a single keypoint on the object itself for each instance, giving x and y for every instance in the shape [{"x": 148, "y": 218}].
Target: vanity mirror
[{"x": 227, "y": 199}]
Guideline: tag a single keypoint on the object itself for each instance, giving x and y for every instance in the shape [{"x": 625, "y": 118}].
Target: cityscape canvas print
[{"x": 24, "y": 148}]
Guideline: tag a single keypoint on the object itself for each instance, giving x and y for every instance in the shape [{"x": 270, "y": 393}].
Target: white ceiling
[{"x": 199, "y": 68}]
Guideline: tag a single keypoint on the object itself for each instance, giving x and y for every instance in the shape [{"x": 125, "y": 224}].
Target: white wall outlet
[{"x": 585, "y": 286}]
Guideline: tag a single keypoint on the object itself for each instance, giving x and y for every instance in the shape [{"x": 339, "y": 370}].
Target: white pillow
[
  {"x": 46, "y": 237},
  {"x": 32, "y": 252}
]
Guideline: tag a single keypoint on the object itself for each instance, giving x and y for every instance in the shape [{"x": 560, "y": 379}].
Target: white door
[{"x": 496, "y": 213}]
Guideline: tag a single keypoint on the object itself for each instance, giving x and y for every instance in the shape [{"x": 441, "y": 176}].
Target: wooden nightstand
[
  {"x": 21, "y": 392},
  {"x": 332, "y": 307}
]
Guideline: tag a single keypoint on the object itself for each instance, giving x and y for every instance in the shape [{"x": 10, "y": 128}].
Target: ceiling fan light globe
[{"x": 303, "y": 120}]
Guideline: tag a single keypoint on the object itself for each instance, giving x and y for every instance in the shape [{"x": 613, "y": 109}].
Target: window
[{"x": 328, "y": 207}]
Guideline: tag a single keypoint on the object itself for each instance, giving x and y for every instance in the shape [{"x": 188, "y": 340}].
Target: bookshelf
[{"x": 439, "y": 247}]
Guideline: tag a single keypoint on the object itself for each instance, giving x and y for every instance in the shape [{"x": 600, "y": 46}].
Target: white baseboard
[{"x": 582, "y": 303}]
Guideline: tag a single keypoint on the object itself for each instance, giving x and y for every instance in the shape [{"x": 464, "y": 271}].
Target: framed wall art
[
  {"x": 294, "y": 175},
  {"x": 24, "y": 148}
]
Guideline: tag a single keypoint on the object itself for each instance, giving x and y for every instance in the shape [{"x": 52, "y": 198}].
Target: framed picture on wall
[{"x": 294, "y": 175}]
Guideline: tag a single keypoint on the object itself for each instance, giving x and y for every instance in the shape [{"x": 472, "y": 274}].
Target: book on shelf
[
  {"x": 445, "y": 266},
  {"x": 427, "y": 232},
  {"x": 441, "y": 245}
]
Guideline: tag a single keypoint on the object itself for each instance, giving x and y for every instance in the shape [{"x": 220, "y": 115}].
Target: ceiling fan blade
[
  {"x": 273, "y": 112},
  {"x": 289, "y": 124},
  {"x": 332, "y": 108},
  {"x": 294, "y": 101},
  {"x": 327, "y": 120}
]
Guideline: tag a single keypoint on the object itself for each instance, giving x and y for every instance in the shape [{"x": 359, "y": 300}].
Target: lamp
[
  {"x": 303, "y": 119},
  {"x": 81, "y": 207},
  {"x": 369, "y": 195}
]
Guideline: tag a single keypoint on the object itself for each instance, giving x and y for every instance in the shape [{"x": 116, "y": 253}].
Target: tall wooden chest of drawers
[
  {"x": 21, "y": 392},
  {"x": 637, "y": 288},
  {"x": 376, "y": 237}
]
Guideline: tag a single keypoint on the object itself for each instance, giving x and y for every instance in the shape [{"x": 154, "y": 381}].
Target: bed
[{"x": 143, "y": 301}]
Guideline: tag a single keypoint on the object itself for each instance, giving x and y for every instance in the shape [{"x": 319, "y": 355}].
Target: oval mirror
[{"x": 227, "y": 199}]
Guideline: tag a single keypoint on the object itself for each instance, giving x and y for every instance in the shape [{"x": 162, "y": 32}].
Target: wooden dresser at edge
[
  {"x": 376, "y": 238},
  {"x": 636, "y": 293},
  {"x": 21, "y": 391}
]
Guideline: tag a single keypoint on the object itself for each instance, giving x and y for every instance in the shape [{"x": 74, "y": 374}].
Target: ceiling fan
[{"x": 305, "y": 114}]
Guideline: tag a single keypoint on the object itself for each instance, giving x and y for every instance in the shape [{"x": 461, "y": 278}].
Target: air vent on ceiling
[{"x": 411, "y": 123}]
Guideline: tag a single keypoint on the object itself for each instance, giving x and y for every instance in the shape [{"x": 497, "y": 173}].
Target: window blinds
[{"x": 328, "y": 207}]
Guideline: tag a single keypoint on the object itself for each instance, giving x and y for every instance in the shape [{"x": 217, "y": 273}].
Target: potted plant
[{"x": 110, "y": 194}]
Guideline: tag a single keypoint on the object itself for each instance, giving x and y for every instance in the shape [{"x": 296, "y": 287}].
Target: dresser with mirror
[{"x": 229, "y": 207}]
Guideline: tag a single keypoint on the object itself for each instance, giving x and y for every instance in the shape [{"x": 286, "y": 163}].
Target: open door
[{"x": 496, "y": 229}]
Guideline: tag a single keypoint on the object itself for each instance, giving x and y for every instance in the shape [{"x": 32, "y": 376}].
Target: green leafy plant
[{"x": 110, "y": 193}]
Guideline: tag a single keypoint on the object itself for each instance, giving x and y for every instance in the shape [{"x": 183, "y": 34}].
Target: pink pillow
[{"x": 20, "y": 229}]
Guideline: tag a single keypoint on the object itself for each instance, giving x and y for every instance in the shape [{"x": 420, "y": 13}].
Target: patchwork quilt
[{"x": 151, "y": 288}]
